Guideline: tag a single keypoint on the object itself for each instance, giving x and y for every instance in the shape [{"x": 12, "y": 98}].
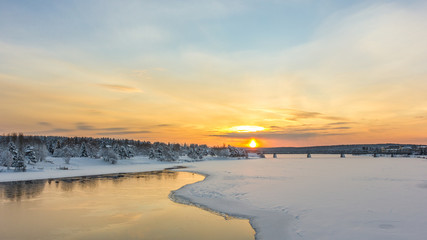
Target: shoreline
[
  {"x": 80, "y": 167},
  {"x": 102, "y": 175},
  {"x": 180, "y": 199}
]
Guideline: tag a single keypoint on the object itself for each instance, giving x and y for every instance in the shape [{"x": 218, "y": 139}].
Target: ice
[{"x": 323, "y": 197}]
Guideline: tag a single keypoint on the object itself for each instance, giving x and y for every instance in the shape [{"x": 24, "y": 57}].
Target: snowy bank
[
  {"x": 55, "y": 168},
  {"x": 324, "y": 197}
]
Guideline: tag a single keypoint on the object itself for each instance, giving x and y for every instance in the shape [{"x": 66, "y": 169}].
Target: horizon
[
  {"x": 285, "y": 74},
  {"x": 217, "y": 145}
]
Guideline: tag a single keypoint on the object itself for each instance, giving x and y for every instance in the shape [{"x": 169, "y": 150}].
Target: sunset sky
[{"x": 286, "y": 73}]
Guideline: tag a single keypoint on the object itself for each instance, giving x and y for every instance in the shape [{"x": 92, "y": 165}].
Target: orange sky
[{"x": 348, "y": 73}]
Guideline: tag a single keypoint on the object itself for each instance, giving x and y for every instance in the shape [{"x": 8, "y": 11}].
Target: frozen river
[
  {"x": 120, "y": 206},
  {"x": 323, "y": 197}
]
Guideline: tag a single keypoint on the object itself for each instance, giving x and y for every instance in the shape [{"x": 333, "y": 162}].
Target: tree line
[{"x": 18, "y": 150}]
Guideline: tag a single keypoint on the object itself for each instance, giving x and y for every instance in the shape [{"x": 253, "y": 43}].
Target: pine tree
[
  {"x": 123, "y": 153},
  {"x": 108, "y": 155},
  {"x": 50, "y": 148},
  {"x": 17, "y": 160},
  {"x": 83, "y": 150},
  {"x": 163, "y": 152},
  {"x": 67, "y": 153},
  {"x": 197, "y": 152},
  {"x": 12, "y": 149},
  {"x": 30, "y": 155},
  {"x": 6, "y": 158},
  {"x": 58, "y": 144}
]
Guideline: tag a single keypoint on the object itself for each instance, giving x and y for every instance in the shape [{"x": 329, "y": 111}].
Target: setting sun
[{"x": 253, "y": 143}]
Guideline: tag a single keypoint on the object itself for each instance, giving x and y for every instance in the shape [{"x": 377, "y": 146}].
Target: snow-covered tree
[
  {"x": 211, "y": 152},
  {"x": 163, "y": 152},
  {"x": 19, "y": 163},
  {"x": 237, "y": 152},
  {"x": 197, "y": 152},
  {"x": 83, "y": 150},
  {"x": 30, "y": 155},
  {"x": 50, "y": 148},
  {"x": 67, "y": 153},
  {"x": 6, "y": 158},
  {"x": 130, "y": 151},
  {"x": 12, "y": 149},
  {"x": 41, "y": 152},
  {"x": 123, "y": 152},
  {"x": 17, "y": 160},
  {"x": 108, "y": 155},
  {"x": 58, "y": 144}
]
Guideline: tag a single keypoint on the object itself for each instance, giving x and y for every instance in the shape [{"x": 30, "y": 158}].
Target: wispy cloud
[
  {"x": 113, "y": 129},
  {"x": 87, "y": 127},
  {"x": 53, "y": 131},
  {"x": 295, "y": 132},
  {"x": 340, "y": 123},
  {"x": 295, "y": 114},
  {"x": 120, "y": 88},
  {"x": 164, "y": 125},
  {"x": 44, "y": 123},
  {"x": 279, "y": 135}
]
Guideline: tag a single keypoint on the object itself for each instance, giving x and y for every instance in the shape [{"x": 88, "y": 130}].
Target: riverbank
[{"x": 56, "y": 168}]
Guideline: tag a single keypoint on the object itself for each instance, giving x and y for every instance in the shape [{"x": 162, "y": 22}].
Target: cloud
[
  {"x": 53, "y": 130},
  {"x": 120, "y": 88},
  {"x": 296, "y": 132},
  {"x": 278, "y": 135},
  {"x": 164, "y": 125},
  {"x": 85, "y": 127},
  {"x": 303, "y": 114},
  {"x": 44, "y": 123},
  {"x": 112, "y": 129},
  {"x": 295, "y": 114},
  {"x": 340, "y": 123}
]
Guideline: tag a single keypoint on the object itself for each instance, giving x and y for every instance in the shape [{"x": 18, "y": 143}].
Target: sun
[{"x": 253, "y": 143}]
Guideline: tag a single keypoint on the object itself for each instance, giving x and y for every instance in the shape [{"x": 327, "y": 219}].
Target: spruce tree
[
  {"x": 83, "y": 150},
  {"x": 30, "y": 155}
]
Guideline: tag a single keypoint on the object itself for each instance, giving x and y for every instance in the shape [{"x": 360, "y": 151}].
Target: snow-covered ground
[
  {"x": 292, "y": 197},
  {"x": 82, "y": 167},
  {"x": 324, "y": 197}
]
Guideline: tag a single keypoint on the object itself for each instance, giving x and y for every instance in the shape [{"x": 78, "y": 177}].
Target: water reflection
[
  {"x": 15, "y": 191},
  {"x": 117, "y": 206}
]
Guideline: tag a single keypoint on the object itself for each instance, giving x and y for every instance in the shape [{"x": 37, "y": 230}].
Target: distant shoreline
[{"x": 357, "y": 149}]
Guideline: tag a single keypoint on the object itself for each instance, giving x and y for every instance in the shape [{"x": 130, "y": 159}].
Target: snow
[
  {"x": 292, "y": 196},
  {"x": 323, "y": 197},
  {"x": 82, "y": 167}
]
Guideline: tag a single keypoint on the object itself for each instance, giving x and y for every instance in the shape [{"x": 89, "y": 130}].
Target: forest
[{"x": 18, "y": 150}]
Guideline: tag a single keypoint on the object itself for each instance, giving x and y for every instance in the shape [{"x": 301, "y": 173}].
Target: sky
[{"x": 286, "y": 73}]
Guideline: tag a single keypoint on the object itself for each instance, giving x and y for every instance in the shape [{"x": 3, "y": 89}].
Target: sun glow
[
  {"x": 247, "y": 129},
  {"x": 253, "y": 143}
]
